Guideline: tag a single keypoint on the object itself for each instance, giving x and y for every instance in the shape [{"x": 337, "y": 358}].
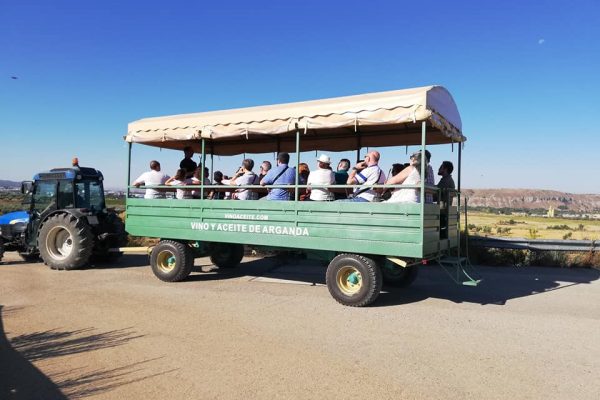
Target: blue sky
[{"x": 524, "y": 76}]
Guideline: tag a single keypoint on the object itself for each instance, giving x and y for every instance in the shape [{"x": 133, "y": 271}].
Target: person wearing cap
[
  {"x": 323, "y": 175},
  {"x": 187, "y": 163},
  {"x": 409, "y": 176},
  {"x": 366, "y": 173}
]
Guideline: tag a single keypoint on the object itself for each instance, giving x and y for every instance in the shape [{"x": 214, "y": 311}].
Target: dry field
[{"x": 484, "y": 224}]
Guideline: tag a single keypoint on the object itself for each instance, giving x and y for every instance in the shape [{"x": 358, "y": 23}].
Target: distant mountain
[
  {"x": 9, "y": 184},
  {"x": 531, "y": 199}
]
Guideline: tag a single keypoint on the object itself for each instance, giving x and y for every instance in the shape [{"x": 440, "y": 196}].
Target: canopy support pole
[
  {"x": 128, "y": 169},
  {"x": 212, "y": 166},
  {"x": 423, "y": 171},
  {"x": 203, "y": 158},
  {"x": 297, "y": 164}
]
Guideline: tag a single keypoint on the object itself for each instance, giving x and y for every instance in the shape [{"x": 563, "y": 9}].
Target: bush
[
  {"x": 533, "y": 233},
  {"x": 562, "y": 227},
  {"x": 568, "y": 236}
]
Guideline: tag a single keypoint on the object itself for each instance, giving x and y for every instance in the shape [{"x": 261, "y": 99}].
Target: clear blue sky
[{"x": 525, "y": 76}]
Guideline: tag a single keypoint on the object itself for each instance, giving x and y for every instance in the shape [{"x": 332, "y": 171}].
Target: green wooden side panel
[{"x": 371, "y": 228}]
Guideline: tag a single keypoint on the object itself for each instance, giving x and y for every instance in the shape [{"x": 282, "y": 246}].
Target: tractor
[{"x": 66, "y": 222}]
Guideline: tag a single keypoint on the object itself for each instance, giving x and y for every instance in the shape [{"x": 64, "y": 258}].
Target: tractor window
[
  {"x": 90, "y": 195},
  {"x": 65, "y": 194},
  {"x": 44, "y": 195}
]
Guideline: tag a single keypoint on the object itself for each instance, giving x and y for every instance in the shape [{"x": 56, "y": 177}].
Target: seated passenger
[
  {"x": 265, "y": 167},
  {"x": 366, "y": 173},
  {"x": 150, "y": 178},
  {"x": 196, "y": 181},
  {"x": 243, "y": 177},
  {"x": 323, "y": 175},
  {"x": 410, "y": 175},
  {"x": 303, "y": 173},
  {"x": 187, "y": 163},
  {"x": 341, "y": 177},
  {"x": 217, "y": 194},
  {"x": 282, "y": 174},
  {"x": 180, "y": 180},
  {"x": 396, "y": 169}
]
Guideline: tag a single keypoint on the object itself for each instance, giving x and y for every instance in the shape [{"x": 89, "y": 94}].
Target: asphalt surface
[{"x": 273, "y": 332}]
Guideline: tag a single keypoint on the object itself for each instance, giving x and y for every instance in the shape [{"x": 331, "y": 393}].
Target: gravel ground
[{"x": 268, "y": 332}]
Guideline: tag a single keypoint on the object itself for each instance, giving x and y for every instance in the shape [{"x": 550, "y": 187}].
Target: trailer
[{"x": 365, "y": 243}]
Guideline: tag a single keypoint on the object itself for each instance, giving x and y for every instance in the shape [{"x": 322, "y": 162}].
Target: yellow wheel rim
[
  {"x": 349, "y": 280},
  {"x": 166, "y": 261}
]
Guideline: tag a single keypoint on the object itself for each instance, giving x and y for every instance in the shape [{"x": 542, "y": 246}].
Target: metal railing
[{"x": 535, "y": 244}]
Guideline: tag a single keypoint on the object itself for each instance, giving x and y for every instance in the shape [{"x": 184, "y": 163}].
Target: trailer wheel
[
  {"x": 353, "y": 280},
  {"x": 65, "y": 242},
  {"x": 171, "y": 261},
  {"x": 397, "y": 276},
  {"x": 226, "y": 255}
]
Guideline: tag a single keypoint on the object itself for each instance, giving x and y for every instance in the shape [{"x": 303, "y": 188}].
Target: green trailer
[{"x": 365, "y": 243}]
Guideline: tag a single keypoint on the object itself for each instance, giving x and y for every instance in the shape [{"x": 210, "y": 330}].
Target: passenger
[
  {"x": 282, "y": 174},
  {"x": 245, "y": 176},
  {"x": 180, "y": 180},
  {"x": 151, "y": 178},
  {"x": 303, "y": 173},
  {"x": 396, "y": 169},
  {"x": 214, "y": 193},
  {"x": 408, "y": 176},
  {"x": 429, "y": 178},
  {"x": 323, "y": 175},
  {"x": 341, "y": 177},
  {"x": 264, "y": 168},
  {"x": 187, "y": 163},
  {"x": 196, "y": 181},
  {"x": 366, "y": 173},
  {"x": 446, "y": 182}
]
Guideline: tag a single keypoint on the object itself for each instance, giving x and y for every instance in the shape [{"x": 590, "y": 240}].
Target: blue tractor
[{"x": 66, "y": 222}]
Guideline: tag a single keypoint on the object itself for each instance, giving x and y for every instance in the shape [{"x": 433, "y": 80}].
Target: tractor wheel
[
  {"x": 397, "y": 276},
  {"x": 65, "y": 242},
  {"x": 226, "y": 255},
  {"x": 171, "y": 261},
  {"x": 353, "y": 280}
]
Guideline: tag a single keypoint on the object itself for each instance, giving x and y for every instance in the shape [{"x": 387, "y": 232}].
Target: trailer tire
[
  {"x": 353, "y": 280},
  {"x": 171, "y": 261},
  {"x": 397, "y": 276},
  {"x": 226, "y": 255},
  {"x": 65, "y": 242}
]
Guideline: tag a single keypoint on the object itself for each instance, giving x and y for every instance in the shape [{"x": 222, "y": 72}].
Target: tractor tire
[
  {"x": 65, "y": 242},
  {"x": 354, "y": 280},
  {"x": 397, "y": 276},
  {"x": 226, "y": 255},
  {"x": 171, "y": 261}
]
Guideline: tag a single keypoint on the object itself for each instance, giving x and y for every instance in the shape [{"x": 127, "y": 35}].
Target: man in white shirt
[
  {"x": 245, "y": 176},
  {"x": 366, "y": 173},
  {"x": 152, "y": 178},
  {"x": 323, "y": 175}
]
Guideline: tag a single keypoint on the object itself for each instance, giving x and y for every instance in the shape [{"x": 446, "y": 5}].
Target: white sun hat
[{"x": 324, "y": 158}]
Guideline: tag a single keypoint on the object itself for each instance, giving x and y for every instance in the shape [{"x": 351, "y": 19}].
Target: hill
[
  {"x": 4, "y": 184},
  {"x": 530, "y": 199}
]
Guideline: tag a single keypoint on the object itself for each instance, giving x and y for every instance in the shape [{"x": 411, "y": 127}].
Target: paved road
[{"x": 116, "y": 332}]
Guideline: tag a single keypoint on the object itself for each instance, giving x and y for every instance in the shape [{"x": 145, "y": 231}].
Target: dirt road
[{"x": 266, "y": 332}]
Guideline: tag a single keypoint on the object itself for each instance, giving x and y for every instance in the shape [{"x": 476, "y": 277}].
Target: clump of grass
[
  {"x": 533, "y": 233},
  {"x": 568, "y": 235},
  {"x": 562, "y": 227}
]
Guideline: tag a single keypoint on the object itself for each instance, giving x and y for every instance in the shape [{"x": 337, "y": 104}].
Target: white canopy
[{"x": 337, "y": 124}]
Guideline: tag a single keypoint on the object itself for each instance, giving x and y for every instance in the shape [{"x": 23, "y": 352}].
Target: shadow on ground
[
  {"x": 499, "y": 284},
  {"x": 20, "y": 379}
]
